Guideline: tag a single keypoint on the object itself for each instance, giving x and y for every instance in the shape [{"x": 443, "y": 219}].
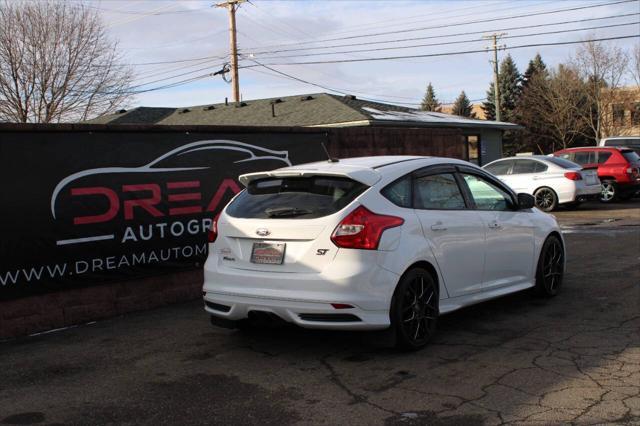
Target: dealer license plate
[
  {"x": 268, "y": 253},
  {"x": 590, "y": 178}
]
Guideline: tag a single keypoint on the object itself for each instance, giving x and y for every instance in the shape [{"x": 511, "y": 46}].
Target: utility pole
[
  {"x": 232, "y": 6},
  {"x": 496, "y": 87}
]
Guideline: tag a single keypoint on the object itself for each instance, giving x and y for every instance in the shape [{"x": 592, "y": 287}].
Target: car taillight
[
  {"x": 633, "y": 171},
  {"x": 362, "y": 229},
  {"x": 573, "y": 175},
  {"x": 213, "y": 232}
]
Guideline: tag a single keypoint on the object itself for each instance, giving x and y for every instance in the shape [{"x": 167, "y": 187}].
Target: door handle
[
  {"x": 438, "y": 226},
  {"x": 494, "y": 225}
]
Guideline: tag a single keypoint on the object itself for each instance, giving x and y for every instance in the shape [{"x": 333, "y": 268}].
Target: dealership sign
[{"x": 81, "y": 208}]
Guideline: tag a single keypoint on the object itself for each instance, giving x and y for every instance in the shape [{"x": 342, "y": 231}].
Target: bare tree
[
  {"x": 603, "y": 68},
  {"x": 57, "y": 63},
  {"x": 635, "y": 64},
  {"x": 555, "y": 108}
]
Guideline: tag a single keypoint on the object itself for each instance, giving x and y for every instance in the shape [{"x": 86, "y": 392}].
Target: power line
[
  {"x": 446, "y": 35},
  {"x": 429, "y": 55},
  {"x": 478, "y": 21},
  {"x": 146, "y": 13},
  {"x": 331, "y": 89},
  {"x": 449, "y": 42}
]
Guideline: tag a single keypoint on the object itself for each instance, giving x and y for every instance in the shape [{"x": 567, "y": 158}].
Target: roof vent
[
  {"x": 122, "y": 111},
  {"x": 350, "y": 97},
  {"x": 241, "y": 104},
  {"x": 184, "y": 111},
  {"x": 209, "y": 108},
  {"x": 306, "y": 98}
]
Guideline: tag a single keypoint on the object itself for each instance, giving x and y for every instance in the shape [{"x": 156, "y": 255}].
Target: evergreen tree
[
  {"x": 430, "y": 102},
  {"x": 510, "y": 81},
  {"x": 489, "y": 106},
  {"x": 536, "y": 135},
  {"x": 462, "y": 106},
  {"x": 536, "y": 66}
]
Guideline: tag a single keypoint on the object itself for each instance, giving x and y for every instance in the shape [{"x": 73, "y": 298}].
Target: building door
[{"x": 474, "y": 149}]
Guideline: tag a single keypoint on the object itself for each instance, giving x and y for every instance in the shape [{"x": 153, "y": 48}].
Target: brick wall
[{"x": 33, "y": 314}]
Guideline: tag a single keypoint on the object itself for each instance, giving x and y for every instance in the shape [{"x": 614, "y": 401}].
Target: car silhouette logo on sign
[{"x": 263, "y": 232}]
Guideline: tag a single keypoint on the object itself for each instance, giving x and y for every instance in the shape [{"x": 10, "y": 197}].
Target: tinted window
[
  {"x": 631, "y": 156},
  {"x": 524, "y": 166},
  {"x": 438, "y": 192},
  {"x": 499, "y": 167},
  {"x": 603, "y": 156},
  {"x": 399, "y": 192},
  {"x": 540, "y": 167},
  {"x": 563, "y": 161},
  {"x": 584, "y": 157},
  {"x": 287, "y": 198},
  {"x": 622, "y": 142},
  {"x": 486, "y": 195}
]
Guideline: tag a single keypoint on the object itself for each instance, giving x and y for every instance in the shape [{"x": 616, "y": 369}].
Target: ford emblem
[{"x": 263, "y": 232}]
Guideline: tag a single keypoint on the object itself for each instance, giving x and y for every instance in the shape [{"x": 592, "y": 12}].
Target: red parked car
[{"x": 618, "y": 169}]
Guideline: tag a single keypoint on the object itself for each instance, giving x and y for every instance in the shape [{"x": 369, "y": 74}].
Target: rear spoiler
[{"x": 362, "y": 175}]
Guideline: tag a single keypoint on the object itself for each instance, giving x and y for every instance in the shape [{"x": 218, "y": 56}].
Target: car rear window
[
  {"x": 565, "y": 164},
  {"x": 631, "y": 156},
  {"x": 295, "y": 197}
]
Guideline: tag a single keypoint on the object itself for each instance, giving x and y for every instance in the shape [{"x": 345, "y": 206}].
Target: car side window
[
  {"x": 540, "y": 167},
  {"x": 603, "y": 156},
  {"x": 499, "y": 167},
  {"x": 438, "y": 192},
  {"x": 486, "y": 195},
  {"x": 399, "y": 192},
  {"x": 567, "y": 156},
  {"x": 524, "y": 166},
  {"x": 584, "y": 157}
]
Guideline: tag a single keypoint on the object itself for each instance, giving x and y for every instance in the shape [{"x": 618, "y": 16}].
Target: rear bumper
[
  {"x": 353, "y": 278},
  {"x": 304, "y": 314},
  {"x": 580, "y": 192}
]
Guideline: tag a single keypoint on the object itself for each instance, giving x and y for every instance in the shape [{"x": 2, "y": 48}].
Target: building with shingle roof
[{"x": 484, "y": 138}]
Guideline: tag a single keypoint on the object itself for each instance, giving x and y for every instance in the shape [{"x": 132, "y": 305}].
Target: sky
[{"x": 280, "y": 34}]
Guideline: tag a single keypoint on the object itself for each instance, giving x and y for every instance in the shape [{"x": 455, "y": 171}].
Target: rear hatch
[{"x": 283, "y": 223}]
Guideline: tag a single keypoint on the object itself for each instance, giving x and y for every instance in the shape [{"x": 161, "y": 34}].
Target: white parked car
[
  {"x": 552, "y": 181},
  {"x": 374, "y": 243}
]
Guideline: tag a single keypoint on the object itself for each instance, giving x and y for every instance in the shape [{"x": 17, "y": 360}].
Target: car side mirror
[{"x": 526, "y": 201}]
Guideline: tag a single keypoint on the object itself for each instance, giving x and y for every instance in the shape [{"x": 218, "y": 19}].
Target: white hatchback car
[
  {"x": 552, "y": 181},
  {"x": 376, "y": 243}
]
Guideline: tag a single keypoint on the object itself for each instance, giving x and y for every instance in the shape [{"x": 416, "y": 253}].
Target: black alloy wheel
[
  {"x": 550, "y": 271},
  {"x": 414, "y": 310},
  {"x": 545, "y": 199}
]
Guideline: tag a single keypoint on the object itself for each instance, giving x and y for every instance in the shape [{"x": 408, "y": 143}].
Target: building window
[
  {"x": 473, "y": 149},
  {"x": 618, "y": 114},
  {"x": 635, "y": 115}
]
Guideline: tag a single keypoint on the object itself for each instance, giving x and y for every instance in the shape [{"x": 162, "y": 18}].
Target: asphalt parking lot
[{"x": 516, "y": 360}]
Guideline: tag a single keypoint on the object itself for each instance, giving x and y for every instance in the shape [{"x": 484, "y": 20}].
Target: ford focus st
[{"x": 376, "y": 243}]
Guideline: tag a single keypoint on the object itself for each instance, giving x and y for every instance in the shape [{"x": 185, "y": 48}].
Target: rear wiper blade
[{"x": 286, "y": 211}]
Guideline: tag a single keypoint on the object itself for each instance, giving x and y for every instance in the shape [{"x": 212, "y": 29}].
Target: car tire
[
  {"x": 550, "y": 268},
  {"x": 545, "y": 199},
  {"x": 414, "y": 309},
  {"x": 609, "y": 191}
]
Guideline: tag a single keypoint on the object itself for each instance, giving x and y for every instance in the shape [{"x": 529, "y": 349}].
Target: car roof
[
  {"x": 367, "y": 170},
  {"x": 620, "y": 137},
  {"x": 595, "y": 148}
]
